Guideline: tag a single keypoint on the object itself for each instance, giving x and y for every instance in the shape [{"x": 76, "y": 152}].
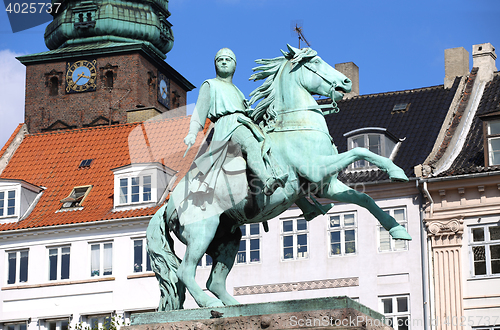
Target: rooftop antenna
[{"x": 297, "y": 28}]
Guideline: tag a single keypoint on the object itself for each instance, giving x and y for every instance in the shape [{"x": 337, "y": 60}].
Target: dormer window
[
  {"x": 12, "y": 192},
  {"x": 141, "y": 185},
  {"x": 375, "y": 139},
  {"x": 492, "y": 142}
]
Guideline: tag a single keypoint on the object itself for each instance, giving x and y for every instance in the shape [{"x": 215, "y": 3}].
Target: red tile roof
[{"x": 52, "y": 160}]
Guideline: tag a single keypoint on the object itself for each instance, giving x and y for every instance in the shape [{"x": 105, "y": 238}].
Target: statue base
[{"x": 319, "y": 313}]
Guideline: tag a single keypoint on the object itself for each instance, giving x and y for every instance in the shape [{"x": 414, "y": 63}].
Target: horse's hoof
[
  {"x": 397, "y": 175},
  {"x": 399, "y": 232}
]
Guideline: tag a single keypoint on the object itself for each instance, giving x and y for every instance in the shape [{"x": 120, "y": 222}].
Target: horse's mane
[{"x": 269, "y": 69}]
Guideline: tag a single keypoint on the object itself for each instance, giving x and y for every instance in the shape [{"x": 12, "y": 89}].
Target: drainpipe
[{"x": 427, "y": 266}]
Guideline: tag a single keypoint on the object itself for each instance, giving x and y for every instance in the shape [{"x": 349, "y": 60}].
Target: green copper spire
[{"x": 81, "y": 22}]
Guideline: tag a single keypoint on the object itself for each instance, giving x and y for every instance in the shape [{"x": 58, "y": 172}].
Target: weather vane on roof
[{"x": 297, "y": 28}]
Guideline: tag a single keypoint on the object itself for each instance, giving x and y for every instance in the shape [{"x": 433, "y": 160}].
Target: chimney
[
  {"x": 351, "y": 71},
  {"x": 483, "y": 57},
  {"x": 456, "y": 64}
]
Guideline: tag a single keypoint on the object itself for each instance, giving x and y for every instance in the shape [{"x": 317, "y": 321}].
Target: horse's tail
[{"x": 164, "y": 261}]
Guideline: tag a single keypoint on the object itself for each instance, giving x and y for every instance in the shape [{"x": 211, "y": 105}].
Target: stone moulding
[{"x": 297, "y": 286}]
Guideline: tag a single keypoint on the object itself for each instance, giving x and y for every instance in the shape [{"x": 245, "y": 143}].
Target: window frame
[
  {"x": 487, "y": 242},
  {"x": 389, "y": 145},
  {"x": 141, "y": 193},
  {"x": 395, "y": 315},
  {"x": 101, "y": 321},
  {"x": 16, "y": 325},
  {"x": 4, "y": 202},
  {"x": 17, "y": 271},
  {"x": 342, "y": 228},
  {"x": 59, "y": 262},
  {"x": 392, "y": 241},
  {"x": 144, "y": 255},
  {"x": 487, "y": 139},
  {"x": 246, "y": 239},
  {"x": 77, "y": 201},
  {"x": 101, "y": 258},
  {"x": 203, "y": 262},
  {"x": 294, "y": 233},
  {"x": 58, "y": 322}
]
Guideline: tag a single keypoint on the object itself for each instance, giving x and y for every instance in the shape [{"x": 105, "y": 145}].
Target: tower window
[
  {"x": 108, "y": 82},
  {"x": 54, "y": 86}
]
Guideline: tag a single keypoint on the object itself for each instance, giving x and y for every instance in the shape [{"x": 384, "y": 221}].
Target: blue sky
[{"x": 397, "y": 45}]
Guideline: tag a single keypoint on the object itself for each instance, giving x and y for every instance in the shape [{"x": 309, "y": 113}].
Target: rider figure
[{"x": 222, "y": 102}]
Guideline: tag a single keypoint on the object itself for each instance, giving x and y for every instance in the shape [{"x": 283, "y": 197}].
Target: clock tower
[{"x": 105, "y": 65}]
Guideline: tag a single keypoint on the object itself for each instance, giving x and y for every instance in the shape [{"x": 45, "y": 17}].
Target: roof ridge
[
  {"x": 12, "y": 137},
  {"x": 71, "y": 130}
]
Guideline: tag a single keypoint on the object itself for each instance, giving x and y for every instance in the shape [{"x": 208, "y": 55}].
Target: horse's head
[{"x": 317, "y": 76}]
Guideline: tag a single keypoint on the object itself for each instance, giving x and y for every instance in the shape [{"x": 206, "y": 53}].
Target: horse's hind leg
[
  {"x": 198, "y": 236},
  {"x": 338, "y": 191},
  {"x": 223, "y": 252}
]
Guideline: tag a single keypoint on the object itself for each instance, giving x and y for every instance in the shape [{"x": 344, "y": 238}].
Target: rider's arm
[{"x": 200, "y": 114}]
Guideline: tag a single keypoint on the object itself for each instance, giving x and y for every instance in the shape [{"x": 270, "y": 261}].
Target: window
[
  {"x": 386, "y": 242},
  {"x": 135, "y": 189},
  {"x": 294, "y": 239},
  {"x": 109, "y": 79},
  {"x": 54, "y": 86},
  {"x": 396, "y": 310},
  {"x": 15, "y": 326},
  {"x": 140, "y": 255},
  {"x": 7, "y": 203},
  {"x": 76, "y": 198},
  {"x": 17, "y": 271},
  {"x": 59, "y": 263},
  {"x": 101, "y": 259},
  {"x": 493, "y": 142},
  {"x": 249, "y": 250},
  {"x": 342, "y": 232},
  {"x": 375, "y": 139},
  {"x": 485, "y": 250},
  {"x": 99, "y": 322},
  {"x": 205, "y": 261},
  {"x": 57, "y": 324}
]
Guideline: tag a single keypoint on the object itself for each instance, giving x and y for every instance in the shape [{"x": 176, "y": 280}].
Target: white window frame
[
  {"x": 294, "y": 234},
  {"x": 58, "y": 323},
  {"x": 59, "y": 262},
  {"x": 394, "y": 245},
  {"x": 16, "y": 326},
  {"x": 101, "y": 259},
  {"x": 491, "y": 136},
  {"x": 388, "y": 144},
  {"x": 395, "y": 316},
  {"x": 342, "y": 230},
  {"x": 17, "y": 278},
  {"x": 141, "y": 193},
  {"x": 487, "y": 243},
  {"x": 145, "y": 257},
  {"x": 246, "y": 242},
  {"x": 100, "y": 321},
  {"x": 5, "y": 197}
]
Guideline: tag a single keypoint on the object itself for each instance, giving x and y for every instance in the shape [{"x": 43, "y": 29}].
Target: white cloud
[{"x": 12, "y": 85}]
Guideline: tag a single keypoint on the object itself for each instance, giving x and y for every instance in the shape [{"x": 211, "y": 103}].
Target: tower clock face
[
  {"x": 81, "y": 76},
  {"x": 163, "y": 90}
]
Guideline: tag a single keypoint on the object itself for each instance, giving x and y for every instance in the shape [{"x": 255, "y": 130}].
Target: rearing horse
[{"x": 300, "y": 143}]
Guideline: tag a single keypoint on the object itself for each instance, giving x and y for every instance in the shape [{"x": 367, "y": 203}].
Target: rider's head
[{"x": 225, "y": 63}]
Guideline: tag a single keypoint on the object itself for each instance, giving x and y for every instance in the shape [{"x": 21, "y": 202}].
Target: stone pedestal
[{"x": 320, "y": 313}]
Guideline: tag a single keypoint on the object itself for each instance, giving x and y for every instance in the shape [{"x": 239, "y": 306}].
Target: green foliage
[{"x": 110, "y": 323}]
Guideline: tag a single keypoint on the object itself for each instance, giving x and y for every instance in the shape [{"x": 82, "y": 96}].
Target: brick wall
[{"x": 134, "y": 84}]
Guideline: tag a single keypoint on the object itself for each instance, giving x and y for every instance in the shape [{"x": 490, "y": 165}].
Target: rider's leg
[
  {"x": 223, "y": 252},
  {"x": 338, "y": 191},
  {"x": 198, "y": 236},
  {"x": 252, "y": 150}
]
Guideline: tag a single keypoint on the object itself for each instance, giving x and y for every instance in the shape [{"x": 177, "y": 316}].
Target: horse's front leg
[
  {"x": 326, "y": 166},
  {"x": 198, "y": 236},
  {"x": 338, "y": 191}
]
